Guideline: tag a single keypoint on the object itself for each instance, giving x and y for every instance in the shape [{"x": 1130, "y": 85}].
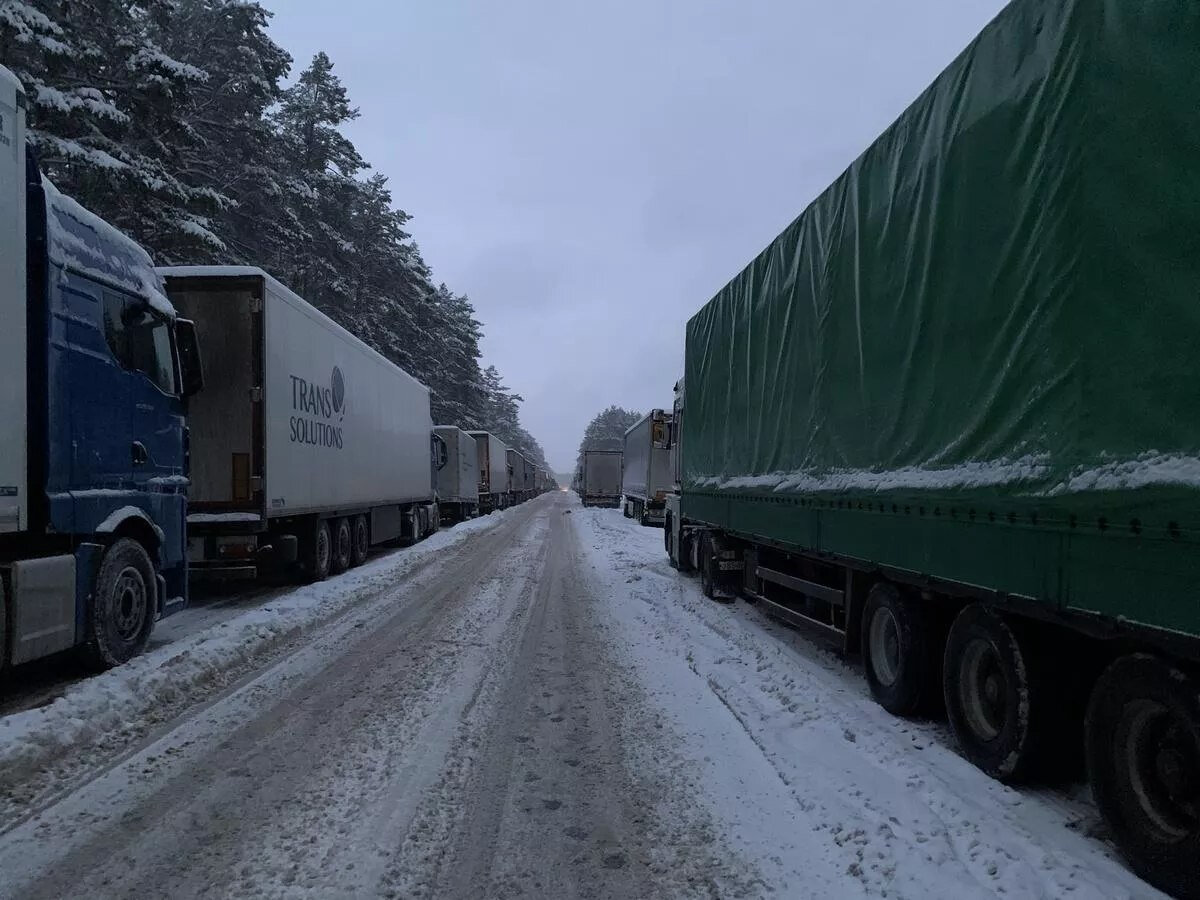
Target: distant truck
[
  {"x": 457, "y": 474},
  {"x": 647, "y": 468},
  {"x": 492, "y": 458},
  {"x": 949, "y": 416},
  {"x": 310, "y": 447},
  {"x": 95, "y": 372},
  {"x": 600, "y": 478}
]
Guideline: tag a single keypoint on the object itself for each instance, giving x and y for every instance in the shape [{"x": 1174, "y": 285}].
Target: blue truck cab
[{"x": 95, "y": 371}]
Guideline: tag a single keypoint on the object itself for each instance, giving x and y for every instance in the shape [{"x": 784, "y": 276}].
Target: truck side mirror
[
  {"x": 191, "y": 366},
  {"x": 440, "y": 454}
]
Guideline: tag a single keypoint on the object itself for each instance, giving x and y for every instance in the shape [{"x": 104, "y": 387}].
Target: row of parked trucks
[
  {"x": 950, "y": 417},
  {"x": 127, "y": 463}
]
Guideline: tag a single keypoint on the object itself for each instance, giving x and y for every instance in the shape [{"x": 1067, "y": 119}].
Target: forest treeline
[{"x": 175, "y": 121}]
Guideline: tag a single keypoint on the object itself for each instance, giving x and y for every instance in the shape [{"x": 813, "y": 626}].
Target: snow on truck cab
[{"x": 95, "y": 372}]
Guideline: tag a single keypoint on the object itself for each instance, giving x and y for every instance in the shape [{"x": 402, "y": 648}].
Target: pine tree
[
  {"x": 607, "y": 430},
  {"x": 168, "y": 118}
]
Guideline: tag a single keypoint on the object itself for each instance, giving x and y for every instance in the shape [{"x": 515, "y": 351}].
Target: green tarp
[{"x": 996, "y": 309}]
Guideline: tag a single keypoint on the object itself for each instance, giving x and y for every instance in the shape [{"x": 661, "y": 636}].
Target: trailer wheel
[
  {"x": 122, "y": 607},
  {"x": 1143, "y": 755},
  {"x": 667, "y": 541},
  {"x": 319, "y": 554},
  {"x": 899, "y": 651},
  {"x": 343, "y": 546},
  {"x": 360, "y": 535},
  {"x": 997, "y": 699}
]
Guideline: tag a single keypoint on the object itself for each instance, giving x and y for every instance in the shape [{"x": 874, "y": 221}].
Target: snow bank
[
  {"x": 122, "y": 699},
  {"x": 817, "y": 786}
]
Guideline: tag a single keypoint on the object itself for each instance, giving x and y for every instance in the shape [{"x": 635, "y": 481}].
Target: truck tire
[
  {"x": 999, "y": 703},
  {"x": 123, "y": 605},
  {"x": 1143, "y": 758},
  {"x": 318, "y": 556},
  {"x": 710, "y": 574},
  {"x": 900, "y": 652},
  {"x": 360, "y": 541},
  {"x": 343, "y": 546}
]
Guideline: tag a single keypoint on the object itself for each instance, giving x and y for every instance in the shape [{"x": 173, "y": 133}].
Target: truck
[
  {"x": 457, "y": 474},
  {"x": 310, "y": 448},
  {"x": 516, "y": 476},
  {"x": 492, "y": 457},
  {"x": 647, "y": 468},
  {"x": 96, "y": 370},
  {"x": 600, "y": 478},
  {"x": 948, "y": 417},
  {"x": 530, "y": 485}
]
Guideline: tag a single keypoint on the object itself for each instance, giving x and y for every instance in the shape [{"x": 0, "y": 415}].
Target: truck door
[
  {"x": 99, "y": 400},
  {"x": 157, "y": 421}
]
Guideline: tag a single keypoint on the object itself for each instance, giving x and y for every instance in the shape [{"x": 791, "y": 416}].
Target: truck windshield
[{"x": 140, "y": 339}]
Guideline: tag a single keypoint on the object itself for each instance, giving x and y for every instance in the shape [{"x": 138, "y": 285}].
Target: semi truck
[
  {"x": 600, "y": 478},
  {"x": 493, "y": 471},
  {"x": 949, "y": 416},
  {"x": 310, "y": 448},
  {"x": 95, "y": 373},
  {"x": 457, "y": 474},
  {"x": 647, "y": 468}
]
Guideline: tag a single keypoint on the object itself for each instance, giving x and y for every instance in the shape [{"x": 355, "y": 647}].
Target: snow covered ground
[
  {"x": 821, "y": 790},
  {"x": 193, "y": 653},
  {"x": 533, "y": 705}
]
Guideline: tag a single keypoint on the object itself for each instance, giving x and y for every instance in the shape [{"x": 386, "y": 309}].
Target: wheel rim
[
  {"x": 1163, "y": 770},
  {"x": 360, "y": 538},
  {"x": 983, "y": 689},
  {"x": 883, "y": 637},
  {"x": 323, "y": 549},
  {"x": 129, "y": 603},
  {"x": 343, "y": 544}
]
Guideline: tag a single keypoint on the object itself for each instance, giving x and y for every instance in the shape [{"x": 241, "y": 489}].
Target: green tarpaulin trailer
[{"x": 961, "y": 393}]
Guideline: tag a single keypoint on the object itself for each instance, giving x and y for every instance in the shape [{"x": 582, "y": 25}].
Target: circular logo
[{"x": 338, "y": 384}]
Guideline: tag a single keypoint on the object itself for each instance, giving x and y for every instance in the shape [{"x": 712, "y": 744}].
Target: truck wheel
[
  {"x": 123, "y": 605},
  {"x": 319, "y": 555},
  {"x": 996, "y": 698},
  {"x": 710, "y": 574},
  {"x": 343, "y": 546},
  {"x": 1143, "y": 755},
  {"x": 899, "y": 651},
  {"x": 360, "y": 541}
]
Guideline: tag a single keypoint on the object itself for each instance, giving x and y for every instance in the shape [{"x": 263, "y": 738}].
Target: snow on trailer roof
[
  {"x": 283, "y": 290},
  {"x": 82, "y": 242}
]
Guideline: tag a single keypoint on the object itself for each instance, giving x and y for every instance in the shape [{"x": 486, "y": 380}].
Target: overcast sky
[{"x": 590, "y": 174}]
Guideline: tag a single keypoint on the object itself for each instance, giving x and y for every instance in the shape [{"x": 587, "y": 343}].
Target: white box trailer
[
  {"x": 493, "y": 470},
  {"x": 647, "y": 468},
  {"x": 516, "y": 475},
  {"x": 601, "y": 478},
  {"x": 310, "y": 445},
  {"x": 457, "y": 474},
  {"x": 530, "y": 486}
]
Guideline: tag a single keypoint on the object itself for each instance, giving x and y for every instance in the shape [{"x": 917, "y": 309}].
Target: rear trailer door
[
  {"x": 13, "y": 434},
  {"x": 225, "y": 419}
]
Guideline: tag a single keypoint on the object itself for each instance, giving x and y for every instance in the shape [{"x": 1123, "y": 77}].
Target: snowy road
[{"x": 544, "y": 708}]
